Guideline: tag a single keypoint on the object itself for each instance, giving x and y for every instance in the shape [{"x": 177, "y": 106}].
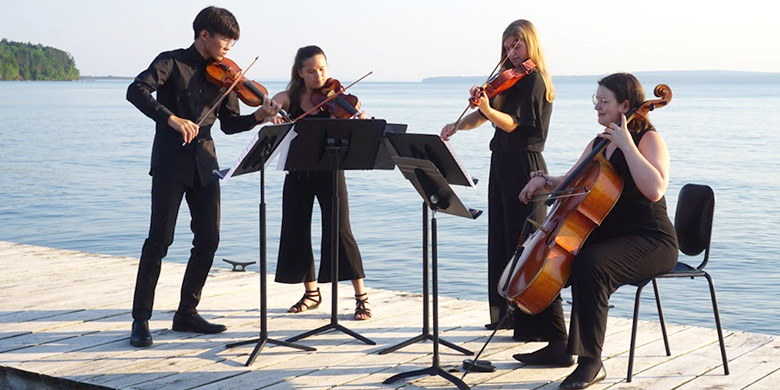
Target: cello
[{"x": 541, "y": 266}]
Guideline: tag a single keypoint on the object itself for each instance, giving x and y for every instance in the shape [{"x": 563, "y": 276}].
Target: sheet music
[
  {"x": 282, "y": 150},
  {"x": 241, "y": 157},
  {"x": 284, "y": 146},
  {"x": 457, "y": 161}
]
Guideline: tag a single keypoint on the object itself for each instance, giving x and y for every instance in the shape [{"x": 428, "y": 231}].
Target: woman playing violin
[
  {"x": 521, "y": 117},
  {"x": 636, "y": 240},
  {"x": 296, "y": 261}
]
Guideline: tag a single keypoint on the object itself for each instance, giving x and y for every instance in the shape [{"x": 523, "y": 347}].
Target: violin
[
  {"x": 502, "y": 81},
  {"x": 342, "y": 106},
  {"x": 225, "y": 73}
]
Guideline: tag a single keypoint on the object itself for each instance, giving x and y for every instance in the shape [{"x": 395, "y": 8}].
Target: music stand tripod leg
[
  {"x": 263, "y": 339},
  {"x": 426, "y": 333},
  {"x": 435, "y": 368}
]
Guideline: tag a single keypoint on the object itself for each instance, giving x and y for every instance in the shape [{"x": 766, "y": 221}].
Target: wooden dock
[{"x": 65, "y": 322}]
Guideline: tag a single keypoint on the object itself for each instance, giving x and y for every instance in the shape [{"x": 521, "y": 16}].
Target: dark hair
[
  {"x": 626, "y": 87},
  {"x": 296, "y": 84},
  {"x": 216, "y": 21}
]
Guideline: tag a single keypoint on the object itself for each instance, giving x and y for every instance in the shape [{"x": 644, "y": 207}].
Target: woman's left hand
[
  {"x": 484, "y": 102},
  {"x": 618, "y": 134}
]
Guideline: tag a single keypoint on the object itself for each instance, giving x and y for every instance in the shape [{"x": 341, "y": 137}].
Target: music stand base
[
  {"x": 261, "y": 342},
  {"x": 423, "y": 337},
  {"x": 431, "y": 371},
  {"x": 331, "y": 326}
]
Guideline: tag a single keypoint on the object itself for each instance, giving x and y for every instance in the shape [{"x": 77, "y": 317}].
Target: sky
[{"x": 405, "y": 40}]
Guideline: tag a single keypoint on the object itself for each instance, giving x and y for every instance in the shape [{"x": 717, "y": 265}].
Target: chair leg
[
  {"x": 633, "y": 334},
  {"x": 661, "y": 317},
  {"x": 717, "y": 324}
]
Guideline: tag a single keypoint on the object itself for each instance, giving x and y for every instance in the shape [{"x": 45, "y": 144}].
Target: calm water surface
[{"x": 75, "y": 156}]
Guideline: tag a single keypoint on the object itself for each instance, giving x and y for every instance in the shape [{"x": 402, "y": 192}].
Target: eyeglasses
[
  {"x": 601, "y": 101},
  {"x": 225, "y": 40}
]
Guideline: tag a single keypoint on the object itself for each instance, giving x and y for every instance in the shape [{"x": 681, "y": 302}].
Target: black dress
[
  {"x": 514, "y": 156},
  {"x": 636, "y": 241},
  {"x": 296, "y": 259}
]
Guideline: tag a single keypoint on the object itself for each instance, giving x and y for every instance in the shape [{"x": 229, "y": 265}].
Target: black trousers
[
  {"x": 296, "y": 259},
  {"x": 167, "y": 193},
  {"x": 597, "y": 272},
  {"x": 509, "y": 173}
]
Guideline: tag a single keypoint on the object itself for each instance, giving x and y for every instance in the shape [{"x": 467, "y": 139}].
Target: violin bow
[
  {"x": 335, "y": 95},
  {"x": 457, "y": 122},
  {"x": 221, "y": 98}
]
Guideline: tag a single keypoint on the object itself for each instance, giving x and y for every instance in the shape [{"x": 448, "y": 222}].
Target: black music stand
[
  {"x": 254, "y": 158},
  {"x": 428, "y": 147},
  {"x": 438, "y": 196},
  {"x": 335, "y": 145}
]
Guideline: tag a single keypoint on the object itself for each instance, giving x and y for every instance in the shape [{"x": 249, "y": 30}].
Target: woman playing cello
[
  {"x": 635, "y": 241},
  {"x": 521, "y": 117},
  {"x": 296, "y": 261}
]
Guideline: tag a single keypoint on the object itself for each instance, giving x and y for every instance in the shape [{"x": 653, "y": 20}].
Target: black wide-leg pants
[
  {"x": 597, "y": 272},
  {"x": 296, "y": 259},
  {"x": 204, "y": 205}
]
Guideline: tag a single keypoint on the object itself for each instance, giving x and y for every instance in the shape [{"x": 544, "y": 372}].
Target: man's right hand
[{"x": 187, "y": 129}]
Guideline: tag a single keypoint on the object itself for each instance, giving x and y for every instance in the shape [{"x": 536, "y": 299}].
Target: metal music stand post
[
  {"x": 335, "y": 145},
  {"x": 437, "y": 195},
  {"x": 254, "y": 158},
  {"x": 428, "y": 147}
]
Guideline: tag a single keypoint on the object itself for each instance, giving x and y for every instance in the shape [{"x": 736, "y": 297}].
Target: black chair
[{"x": 693, "y": 224}]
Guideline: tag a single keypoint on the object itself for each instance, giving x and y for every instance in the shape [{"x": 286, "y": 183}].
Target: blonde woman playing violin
[{"x": 521, "y": 117}]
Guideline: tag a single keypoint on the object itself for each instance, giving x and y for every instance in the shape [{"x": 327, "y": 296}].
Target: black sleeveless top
[
  {"x": 633, "y": 213},
  {"x": 296, "y": 111}
]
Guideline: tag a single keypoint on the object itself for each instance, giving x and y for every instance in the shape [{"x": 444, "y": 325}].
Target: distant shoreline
[
  {"x": 706, "y": 76},
  {"x": 703, "y": 76},
  {"x": 92, "y": 78}
]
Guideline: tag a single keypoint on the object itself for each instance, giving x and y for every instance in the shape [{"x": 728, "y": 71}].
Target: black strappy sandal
[
  {"x": 360, "y": 307},
  {"x": 301, "y": 306}
]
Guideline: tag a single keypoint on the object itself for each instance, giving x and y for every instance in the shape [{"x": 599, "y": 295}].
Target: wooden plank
[
  {"x": 686, "y": 368},
  {"x": 74, "y": 323},
  {"x": 745, "y": 370}
]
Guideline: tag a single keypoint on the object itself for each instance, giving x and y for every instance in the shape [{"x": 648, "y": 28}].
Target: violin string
[{"x": 331, "y": 97}]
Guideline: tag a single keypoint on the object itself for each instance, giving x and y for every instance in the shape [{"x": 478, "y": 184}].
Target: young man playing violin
[{"x": 183, "y": 157}]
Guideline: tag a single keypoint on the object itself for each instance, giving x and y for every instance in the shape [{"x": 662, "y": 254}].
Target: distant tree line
[{"x": 26, "y": 61}]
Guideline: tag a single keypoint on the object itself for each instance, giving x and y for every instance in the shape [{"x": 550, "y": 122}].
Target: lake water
[{"x": 75, "y": 157}]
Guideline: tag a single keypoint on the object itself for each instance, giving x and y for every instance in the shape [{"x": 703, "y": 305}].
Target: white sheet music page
[
  {"x": 284, "y": 149},
  {"x": 460, "y": 166},
  {"x": 241, "y": 157}
]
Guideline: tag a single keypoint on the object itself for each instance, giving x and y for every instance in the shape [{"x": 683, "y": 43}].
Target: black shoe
[
  {"x": 551, "y": 355},
  {"x": 140, "y": 335},
  {"x": 195, "y": 323},
  {"x": 575, "y": 383}
]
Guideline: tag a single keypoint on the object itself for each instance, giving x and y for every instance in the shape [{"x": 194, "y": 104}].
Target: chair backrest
[{"x": 693, "y": 220}]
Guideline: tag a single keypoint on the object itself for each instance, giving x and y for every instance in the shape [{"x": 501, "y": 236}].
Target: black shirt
[
  {"x": 526, "y": 103},
  {"x": 178, "y": 76}
]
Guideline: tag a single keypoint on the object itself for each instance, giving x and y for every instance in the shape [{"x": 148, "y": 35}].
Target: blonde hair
[{"x": 525, "y": 30}]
